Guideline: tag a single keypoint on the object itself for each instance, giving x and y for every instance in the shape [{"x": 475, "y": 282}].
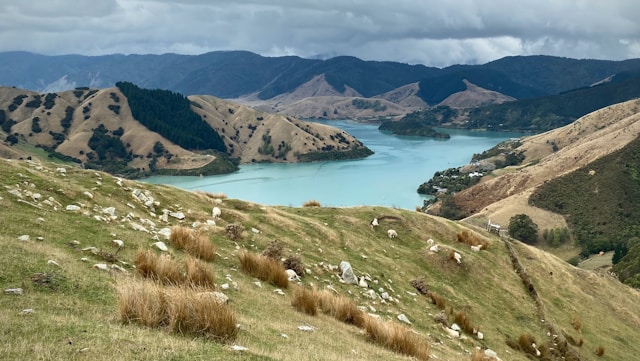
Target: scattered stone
[
  {"x": 371, "y": 294},
  {"x": 455, "y": 327},
  {"x": 111, "y": 211},
  {"x": 61, "y": 170},
  {"x": 24, "y": 238},
  {"x": 306, "y": 328},
  {"x": 258, "y": 284},
  {"x": 385, "y": 296},
  {"x": 177, "y": 215},
  {"x": 118, "y": 242},
  {"x": 239, "y": 348},
  {"x": 363, "y": 283},
  {"x": 84, "y": 259},
  {"x": 480, "y": 335},
  {"x": 403, "y": 318},
  {"x": 279, "y": 291},
  {"x": 254, "y": 230},
  {"x": 118, "y": 268},
  {"x": 347, "y": 273},
  {"x": 53, "y": 263},
  {"x": 88, "y": 194},
  {"x": 284, "y": 335},
  {"x": 161, "y": 246},
  {"x": 26, "y": 311},
  {"x": 165, "y": 232},
  {"x": 101, "y": 266},
  {"x": 138, "y": 227},
  {"x": 490, "y": 353},
  {"x": 72, "y": 208},
  {"x": 211, "y": 222},
  {"x": 224, "y": 286},
  {"x": 13, "y": 291}
]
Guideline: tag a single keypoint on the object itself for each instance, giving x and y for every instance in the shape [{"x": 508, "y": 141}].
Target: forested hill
[
  {"x": 542, "y": 113},
  {"x": 232, "y": 74},
  {"x": 169, "y": 114}
]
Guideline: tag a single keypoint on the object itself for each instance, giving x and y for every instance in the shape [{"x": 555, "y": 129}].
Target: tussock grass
[
  {"x": 194, "y": 313},
  {"x": 160, "y": 268},
  {"x": 142, "y": 302},
  {"x": 396, "y": 338},
  {"x": 194, "y": 243},
  {"x": 524, "y": 341},
  {"x": 471, "y": 239},
  {"x": 576, "y": 322},
  {"x": 305, "y": 300},
  {"x": 183, "y": 310},
  {"x": 437, "y": 300},
  {"x": 199, "y": 273},
  {"x": 312, "y": 203},
  {"x": 341, "y": 308},
  {"x": 464, "y": 322},
  {"x": 600, "y": 351},
  {"x": 264, "y": 268},
  {"x": 210, "y": 196}
]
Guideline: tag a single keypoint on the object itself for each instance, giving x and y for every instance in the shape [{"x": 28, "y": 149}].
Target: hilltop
[
  {"x": 59, "y": 226},
  {"x": 164, "y": 132}
]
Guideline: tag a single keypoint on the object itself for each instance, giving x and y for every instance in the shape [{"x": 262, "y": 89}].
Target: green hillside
[{"x": 59, "y": 224}]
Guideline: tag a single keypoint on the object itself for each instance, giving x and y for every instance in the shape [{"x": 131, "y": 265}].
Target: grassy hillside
[{"x": 68, "y": 308}]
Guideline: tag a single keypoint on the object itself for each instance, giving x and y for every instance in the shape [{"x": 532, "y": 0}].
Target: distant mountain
[
  {"x": 132, "y": 131},
  {"x": 236, "y": 74}
]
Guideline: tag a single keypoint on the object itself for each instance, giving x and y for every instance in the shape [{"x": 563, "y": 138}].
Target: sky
[{"x": 433, "y": 33}]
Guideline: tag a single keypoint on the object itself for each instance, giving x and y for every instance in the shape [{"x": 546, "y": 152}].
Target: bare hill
[
  {"x": 549, "y": 155},
  {"x": 474, "y": 96},
  {"x": 69, "y": 119}
]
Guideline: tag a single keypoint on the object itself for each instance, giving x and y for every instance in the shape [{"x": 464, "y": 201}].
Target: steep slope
[
  {"x": 49, "y": 250},
  {"x": 91, "y": 126},
  {"x": 474, "y": 96}
]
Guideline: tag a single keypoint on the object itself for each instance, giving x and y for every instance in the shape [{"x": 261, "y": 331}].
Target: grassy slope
[{"x": 77, "y": 318}]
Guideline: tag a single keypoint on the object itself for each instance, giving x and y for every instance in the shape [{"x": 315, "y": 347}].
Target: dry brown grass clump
[
  {"x": 466, "y": 237},
  {"x": 464, "y": 322},
  {"x": 396, "y": 337},
  {"x": 196, "y": 244},
  {"x": 479, "y": 355},
  {"x": 600, "y": 351},
  {"x": 199, "y": 273},
  {"x": 193, "y": 313},
  {"x": 437, "y": 300},
  {"x": 311, "y": 203},
  {"x": 274, "y": 250},
  {"x": 525, "y": 342},
  {"x": 264, "y": 268},
  {"x": 341, "y": 308},
  {"x": 212, "y": 196},
  {"x": 420, "y": 285},
  {"x": 160, "y": 268},
  {"x": 305, "y": 300},
  {"x": 142, "y": 302},
  {"x": 576, "y": 322}
]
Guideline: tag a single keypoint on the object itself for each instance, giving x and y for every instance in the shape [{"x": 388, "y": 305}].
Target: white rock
[
  {"x": 53, "y": 263},
  {"x": 255, "y": 230},
  {"x": 490, "y": 353},
  {"x": 118, "y": 268},
  {"x": 88, "y": 194},
  {"x": 211, "y": 222},
  {"x": 13, "y": 291},
  {"x": 239, "y": 348},
  {"x": 72, "y": 207},
  {"x": 138, "y": 227},
  {"x": 216, "y": 296},
  {"x": 61, "y": 170},
  {"x": 165, "y": 232},
  {"x": 480, "y": 335},
  {"x": 161, "y": 246},
  {"x": 101, "y": 266},
  {"x": 306, "y": 328},
  {"x": 26, "y": 311},
  {"x": 24, "y": 237},
  {"x": 84, "y": 259},
  {"x": 403, "y": 318},
  {"x": 455, "y": 327},
  {"x": 279, "y": 291},
  {"x": 118, "y": 242},
  {"x": 371, "y": 294},
  {"x": 177, "y": 215},
  {"x": 224, "y": 286},
  {"x": 111, "y": 211},
  {"x": 258, "y": 284},
  {"x": 363, "y": 283},
  {"x": 284, "y": 335}
]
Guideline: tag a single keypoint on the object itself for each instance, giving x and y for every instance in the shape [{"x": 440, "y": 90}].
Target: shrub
[
  {"x": 522, "y": 227},
  {"x": 264, "y": 268},
  {"x": 420, "y": 285},
  {"x": 294, "y": 262},
  {"x": 600, "y": 351},
  {"x": 274, "y": 250},
  {"x": 142, "y": 302},
  {"x": 193, "y": 313},
  {"x": 234, "y": 231},
  {"x": 199, "y": 273},
  {"x": 312, "y": 203},
  {"x": 160, "y": 268},
  {"x": 305, "y": 300},
  {"x": 397, "y": 338}
]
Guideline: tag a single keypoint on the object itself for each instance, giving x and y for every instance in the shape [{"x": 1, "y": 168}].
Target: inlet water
[{"x": 389, "y": 178}]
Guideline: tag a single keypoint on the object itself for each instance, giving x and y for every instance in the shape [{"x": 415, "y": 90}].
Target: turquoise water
[{"x": 389, "y": 178}]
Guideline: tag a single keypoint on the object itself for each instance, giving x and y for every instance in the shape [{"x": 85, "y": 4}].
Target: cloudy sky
[{"x": 434, "y": 33}]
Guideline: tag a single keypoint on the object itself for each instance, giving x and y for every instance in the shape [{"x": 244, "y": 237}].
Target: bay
[{"x": 389, "y": 177}]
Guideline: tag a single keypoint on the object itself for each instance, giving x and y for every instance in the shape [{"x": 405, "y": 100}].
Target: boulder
[
  {"x": 347, "y": 273},
  {"x": 72, "y": 208},
  {"x": 161, "y": 246},
  {"x": 403, "y": 318}
]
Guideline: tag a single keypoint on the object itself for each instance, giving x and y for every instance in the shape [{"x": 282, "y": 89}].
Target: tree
[{"x": 523, "y": 228}]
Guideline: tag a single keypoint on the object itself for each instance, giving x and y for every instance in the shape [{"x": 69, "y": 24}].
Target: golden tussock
[
  {"x": 396, "y": 338},
  {"x": 264, "y": 268}
]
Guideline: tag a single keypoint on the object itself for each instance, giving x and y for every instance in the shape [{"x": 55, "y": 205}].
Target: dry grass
[
  {"x": 196, "y": 244},
  {"x": 193, "y": 313},
  {"x": 142, "y": 302},
  {"x": 396, "y": 338},
  {"x": 305, "y": 300},
  {"x": 471, "y": 239},
  {"x": 576, "y": 322},
  {"x": 600, "y": 351},
  {"x": 341, "y": 308},
  {"x": 264, "y": 268},
  {"x": 199, "y": 273},
  {"x": 464, "y": 322},
  {"x": 209, "y": 195},
  {"x": 525, "y": 341},
  {"x": 160, "y": 268},
  {"x": 312, "y": 203},
  {"x": 437, "y": 300}
]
